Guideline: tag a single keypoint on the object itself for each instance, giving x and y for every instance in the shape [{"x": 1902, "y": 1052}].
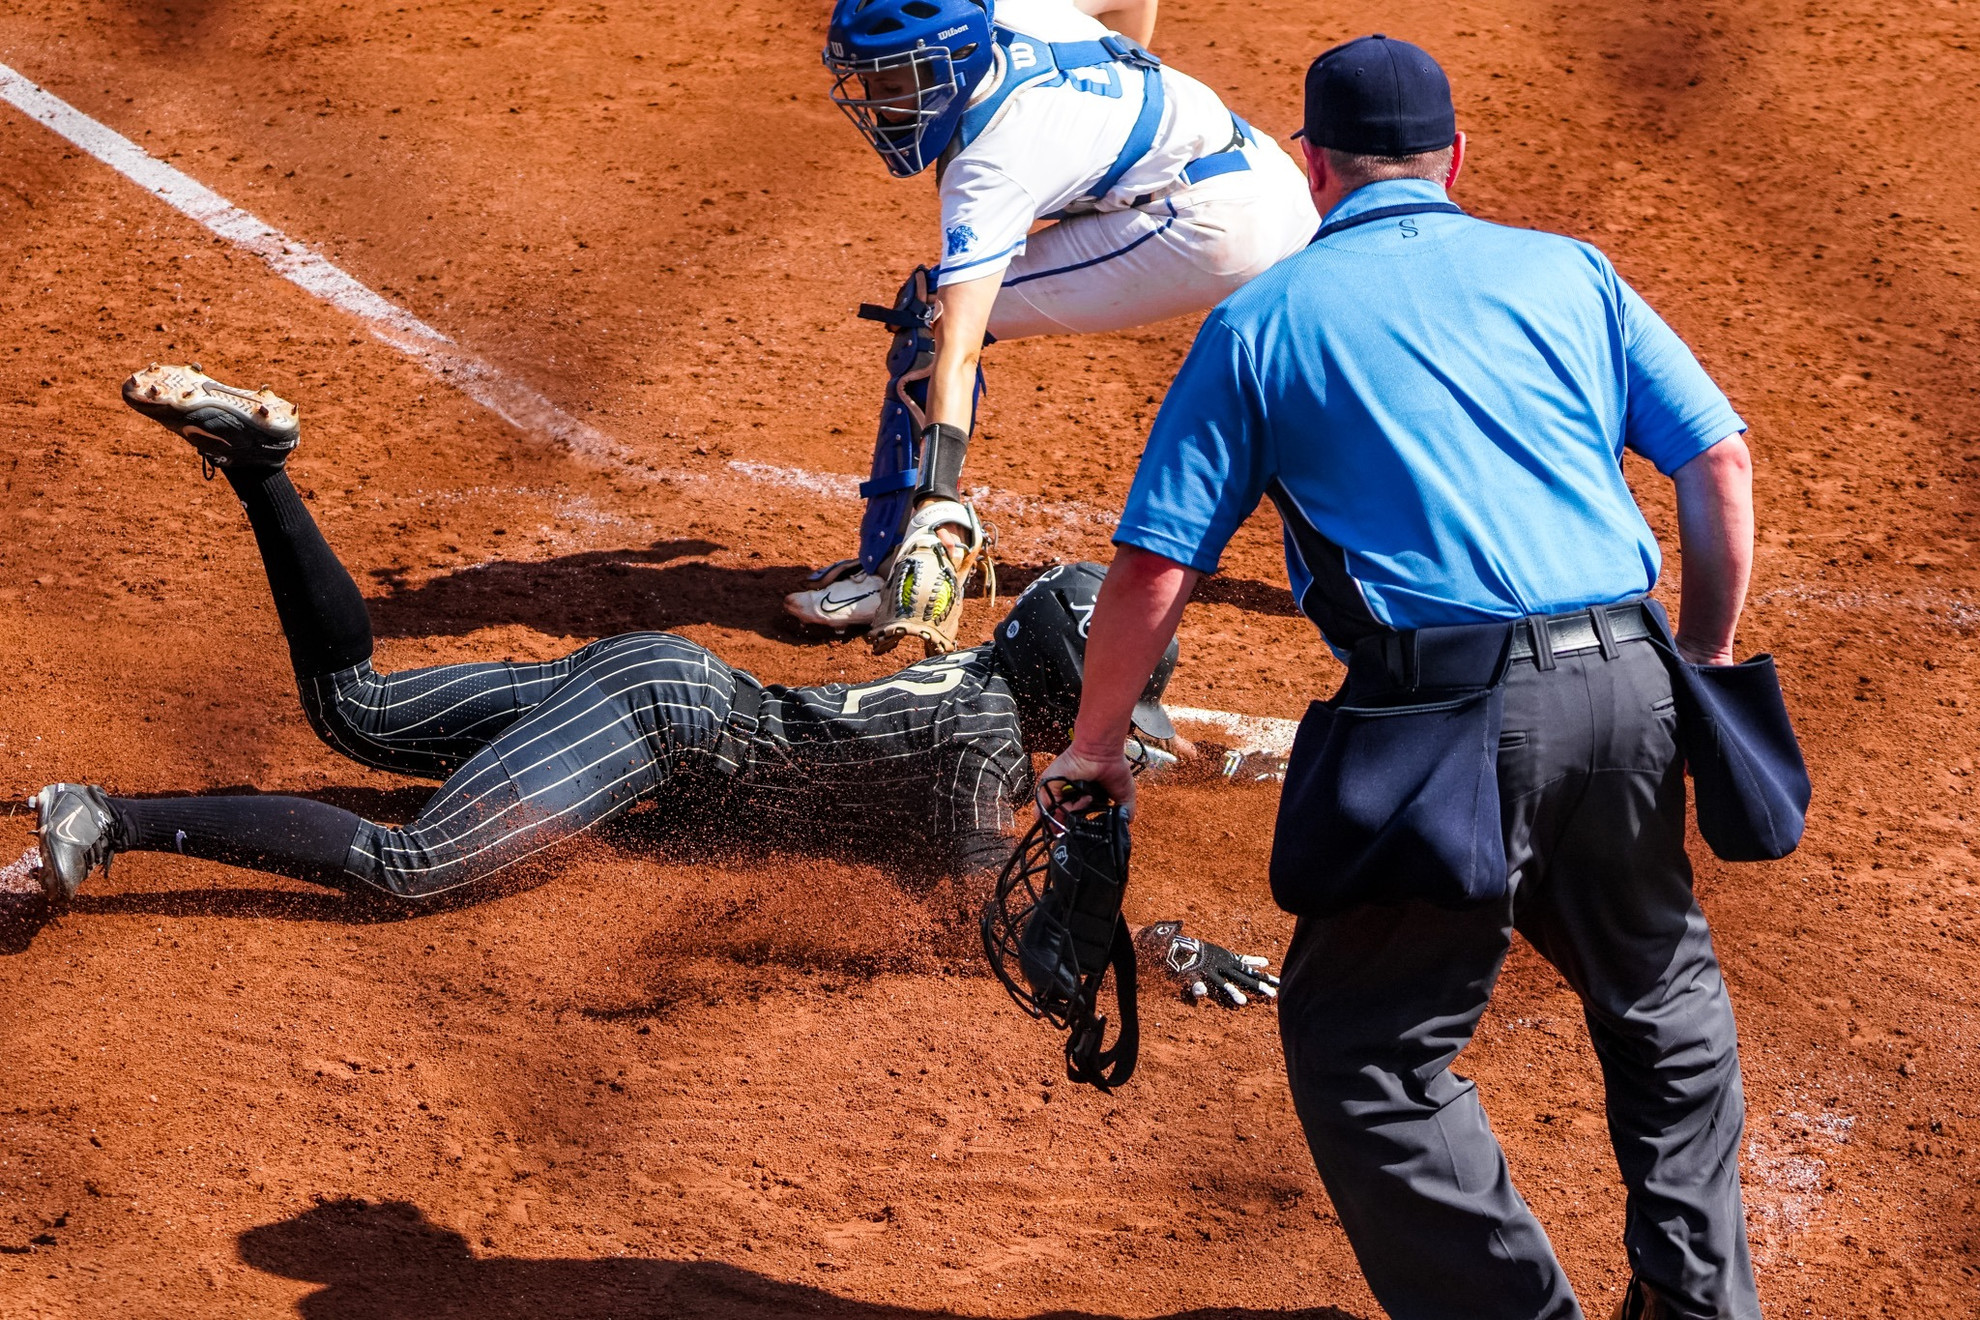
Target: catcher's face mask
[
  {"x": 903, "y": 72},
  {"x": 898, "y": 101}
]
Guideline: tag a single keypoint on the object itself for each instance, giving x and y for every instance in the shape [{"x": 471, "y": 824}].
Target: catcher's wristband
[{"x": 942, "y": 450}]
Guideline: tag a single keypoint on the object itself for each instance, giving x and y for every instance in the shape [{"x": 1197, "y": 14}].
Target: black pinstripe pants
[{"x": 533, "y": 754}]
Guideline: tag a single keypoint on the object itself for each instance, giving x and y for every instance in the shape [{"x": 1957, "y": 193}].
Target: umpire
[{"x": 1439, "y": 406}]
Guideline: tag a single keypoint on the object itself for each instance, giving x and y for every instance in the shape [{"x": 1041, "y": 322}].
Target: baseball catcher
[
  {"x": 534, "y": 754},
  {"x": 1161, "y": 201}
]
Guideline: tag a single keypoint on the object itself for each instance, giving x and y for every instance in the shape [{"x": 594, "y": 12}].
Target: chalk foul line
[
  {"x": 508, "y": 398},
  {"x": 488, "y": 385}
]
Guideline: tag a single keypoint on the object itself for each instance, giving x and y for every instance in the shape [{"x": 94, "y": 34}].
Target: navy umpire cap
[{"x": 1376, "y": 96}]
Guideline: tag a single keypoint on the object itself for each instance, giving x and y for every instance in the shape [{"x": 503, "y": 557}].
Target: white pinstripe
[
  {"x": 807, "y": 752},
  {"x": 405, "y": 734},
  {"x": 516, "y": 774}
]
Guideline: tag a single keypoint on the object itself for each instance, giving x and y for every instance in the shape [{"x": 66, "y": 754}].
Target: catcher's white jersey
[{"x": 1185, "y": 248}]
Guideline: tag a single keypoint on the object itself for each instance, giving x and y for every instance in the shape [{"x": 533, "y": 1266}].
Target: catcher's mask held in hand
[{"x": 1054, "y": 926}]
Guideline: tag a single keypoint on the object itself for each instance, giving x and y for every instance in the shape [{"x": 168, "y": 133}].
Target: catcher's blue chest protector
[{"x": 889, "y": 491}]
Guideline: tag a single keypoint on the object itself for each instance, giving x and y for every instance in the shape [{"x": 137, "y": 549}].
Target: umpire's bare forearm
[
  {"x": 1715, "y": 536},
  {"x": 1141, "y": 602}
]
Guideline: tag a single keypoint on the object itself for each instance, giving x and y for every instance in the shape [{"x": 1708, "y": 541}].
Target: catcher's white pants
[{"x": 1185, "y": 253}]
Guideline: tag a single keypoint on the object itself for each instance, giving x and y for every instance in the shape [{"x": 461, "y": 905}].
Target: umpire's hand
[
  {"x": 1204, "y": 970},
  {"x": 1109, "y": 770}
]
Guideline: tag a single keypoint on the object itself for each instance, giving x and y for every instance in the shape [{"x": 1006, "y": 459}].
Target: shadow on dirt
[
  {"x": 24, "y": 916},
  {"x": 21, "y": 918},
  {"x": 1247, "y": 594},
  {"x": 596, "y": 593},
  {"x": 260, "y": 904},
  {"x": 602, "y": 592},
  {"x": 386, "y": 1260}
]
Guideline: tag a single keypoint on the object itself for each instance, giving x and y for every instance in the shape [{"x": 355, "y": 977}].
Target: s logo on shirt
[{"x": 959, "y": 237}]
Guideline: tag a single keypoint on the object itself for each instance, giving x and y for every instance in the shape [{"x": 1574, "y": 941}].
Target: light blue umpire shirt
[{"x": 1438, "y": 406}]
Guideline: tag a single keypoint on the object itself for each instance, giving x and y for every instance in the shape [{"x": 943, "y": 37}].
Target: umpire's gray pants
[{"x": 1379, "y": 1001}]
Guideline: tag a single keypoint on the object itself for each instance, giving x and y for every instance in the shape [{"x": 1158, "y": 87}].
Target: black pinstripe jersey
[{"x": 934, "y": 748}]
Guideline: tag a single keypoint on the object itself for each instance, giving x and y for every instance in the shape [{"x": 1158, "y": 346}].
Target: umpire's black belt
[
  {"x": 1470, "y": 656},
  {"x": 1541, "y": 637}
]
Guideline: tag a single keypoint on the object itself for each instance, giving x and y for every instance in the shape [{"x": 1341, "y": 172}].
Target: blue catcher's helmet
[{"x": 905, "y": 70}]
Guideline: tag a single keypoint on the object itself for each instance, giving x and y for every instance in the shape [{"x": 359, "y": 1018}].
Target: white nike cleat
[
  {"x": 848, "y": 598},
  {"x": 74, "y": 826}
]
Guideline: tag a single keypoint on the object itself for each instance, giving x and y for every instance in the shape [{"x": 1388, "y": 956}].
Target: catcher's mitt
[{"x": 925, "y": 585}]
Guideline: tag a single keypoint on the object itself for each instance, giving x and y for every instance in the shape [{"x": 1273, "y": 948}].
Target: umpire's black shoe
[
  {"x": 229, "y": 427},
  {"x": 77, "y": 830}
]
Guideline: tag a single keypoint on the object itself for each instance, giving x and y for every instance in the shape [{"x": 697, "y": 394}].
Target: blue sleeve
[
  {"x": 1673, "y": 412},
  {"x": 1207, "y": 459}
]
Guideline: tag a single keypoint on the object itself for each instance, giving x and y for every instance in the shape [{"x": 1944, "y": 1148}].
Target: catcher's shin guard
[
  {"x": 924, "y": 591},
  {"x": 897, "y": 479}
]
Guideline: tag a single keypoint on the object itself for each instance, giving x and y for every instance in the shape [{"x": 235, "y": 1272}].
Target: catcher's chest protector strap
[
  {"x": 1029, "y": 61},
  {"x": 890, "y": 490}
]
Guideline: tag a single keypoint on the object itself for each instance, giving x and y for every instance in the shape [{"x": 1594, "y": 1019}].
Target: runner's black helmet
[{"x": 1042, "y": 644}]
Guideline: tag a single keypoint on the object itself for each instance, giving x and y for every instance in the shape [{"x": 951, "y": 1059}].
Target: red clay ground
[{"x": 719, "y": 1084}]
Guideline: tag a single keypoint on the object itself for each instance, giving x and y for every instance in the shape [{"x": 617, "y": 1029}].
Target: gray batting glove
[{"x": 1202, "y": 970}]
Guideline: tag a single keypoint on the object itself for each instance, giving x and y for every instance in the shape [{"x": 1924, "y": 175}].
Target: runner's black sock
[
  {"x": 322, "y": 612},
  {"x": 292, "y": 836}
]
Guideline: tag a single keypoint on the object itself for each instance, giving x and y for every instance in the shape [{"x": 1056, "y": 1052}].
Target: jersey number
[{"x": 931, "y": 678}]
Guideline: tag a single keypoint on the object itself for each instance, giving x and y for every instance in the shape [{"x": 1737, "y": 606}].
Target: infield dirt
[{"x": 695, "y": 1078}]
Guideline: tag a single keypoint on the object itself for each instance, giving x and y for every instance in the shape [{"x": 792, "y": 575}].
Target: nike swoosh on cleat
[
  {"x": 827, "y": 605},
  {"x": 62, "y": 827}
]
